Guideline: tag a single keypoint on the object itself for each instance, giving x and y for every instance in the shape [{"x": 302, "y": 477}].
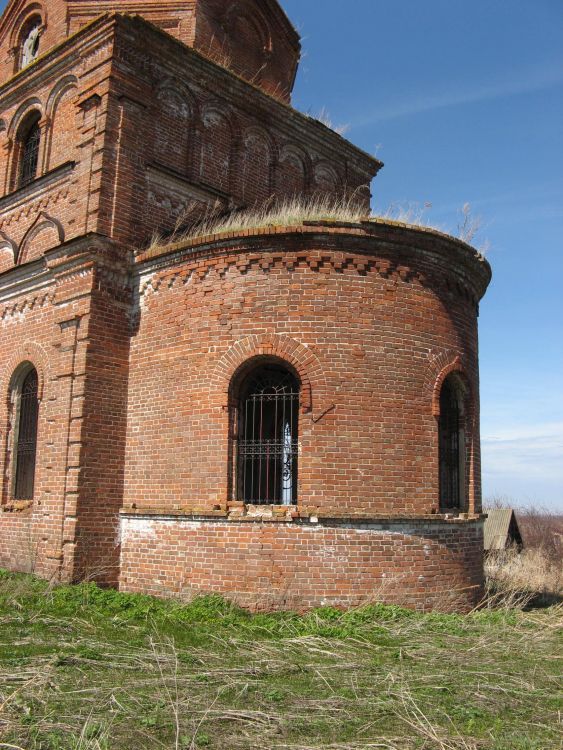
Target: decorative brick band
[{"x": 387, "y": 249}]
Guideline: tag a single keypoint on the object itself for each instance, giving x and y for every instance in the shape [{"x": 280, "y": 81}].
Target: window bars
[
  {"x": 29, "y": 157},
  {"x": 26, "y": 446},
  {"x": 268, "y": 445},
  {"x": 449, "y": 448}
]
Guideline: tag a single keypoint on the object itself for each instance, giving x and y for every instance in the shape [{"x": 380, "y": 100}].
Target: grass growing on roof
[
  {"x": 86, "y": 668},
  {"x": 287, "y": 212}
]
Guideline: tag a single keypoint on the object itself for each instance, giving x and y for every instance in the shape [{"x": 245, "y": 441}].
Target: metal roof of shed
[{"x": 498, "y": 531}]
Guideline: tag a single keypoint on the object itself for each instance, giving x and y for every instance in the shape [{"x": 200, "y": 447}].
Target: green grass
[{"x": 85, "y": 668}]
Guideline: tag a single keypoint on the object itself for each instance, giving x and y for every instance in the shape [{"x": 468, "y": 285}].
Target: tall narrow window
[
  {"x": 29, "y": 139},
  {"x": 30, "y": 43},
  {"x": 25, "y": 450},
  {"x": 451, "y": 447},
  {"x": 267, "y": 446}
]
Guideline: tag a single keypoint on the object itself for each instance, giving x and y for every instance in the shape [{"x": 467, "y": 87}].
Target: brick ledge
[{"x": 296, "y": 518}]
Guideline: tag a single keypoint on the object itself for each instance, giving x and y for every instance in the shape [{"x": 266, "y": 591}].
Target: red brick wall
[
  {"x": 75, "y": 332},
  {"x": 369, "y": 321},
  {"x": 180, "y": 136},
  {"x": 62, "y": 203},
  {"x": 44, "y": 327},
  {"x": 18, "y": 547},
  {"x": 259, "y": 43},
  {"x": 103, "y": 434},
  {"x": 424, "y": 564}
]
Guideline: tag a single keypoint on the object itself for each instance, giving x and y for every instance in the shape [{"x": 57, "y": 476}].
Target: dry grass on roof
[{"x": 288, "y": 212}]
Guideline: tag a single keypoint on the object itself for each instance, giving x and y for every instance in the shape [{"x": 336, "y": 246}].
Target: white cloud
[
  {"x": 525, "y": 461},
  {"x": 518, "y": 83}
]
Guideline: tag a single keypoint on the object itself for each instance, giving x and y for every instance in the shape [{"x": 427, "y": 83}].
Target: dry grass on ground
[
  {"x": 522, "y": 577},
  {"x": 87, "y": 669}
]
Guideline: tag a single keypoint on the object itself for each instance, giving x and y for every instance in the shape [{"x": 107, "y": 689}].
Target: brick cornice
[{"x": 369, "y": 246}]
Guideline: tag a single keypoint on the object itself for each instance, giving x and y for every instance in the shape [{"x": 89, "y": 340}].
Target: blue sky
[{"x": 464, "y": 103}]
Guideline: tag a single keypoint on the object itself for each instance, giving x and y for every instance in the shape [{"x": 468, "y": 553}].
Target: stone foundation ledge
[{"x": 270, "y": 515}]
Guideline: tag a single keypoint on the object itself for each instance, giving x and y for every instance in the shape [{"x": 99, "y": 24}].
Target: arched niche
[
  {"x": 216, "y": 149},
  {"x": 44, "y": 234},
  {"x": 292, "y": 171},
  {"x": 61, "y": 113},
  {"x": 172, "y": 122},
  {"x": 257, "y": 166}
]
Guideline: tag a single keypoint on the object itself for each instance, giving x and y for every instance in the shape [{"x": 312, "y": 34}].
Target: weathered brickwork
[
  {"x": 364, "y": 316},
  {"x": 146, "y": 121},
  {"x": 288, "y": 565}
]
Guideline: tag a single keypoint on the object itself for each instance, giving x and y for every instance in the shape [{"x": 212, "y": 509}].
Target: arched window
[
  {"x": 266, "y": 442},
  {"x": 451, "y": 446},
  {"x": 25, "y": 436},
  {"x": 29, "y": 137},
  {"x": 29, "y": 46}
]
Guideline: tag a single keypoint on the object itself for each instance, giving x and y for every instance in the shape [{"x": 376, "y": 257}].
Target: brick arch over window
[
  {"x": 251, "y": 38},
  {"x": 258, "y": 160},
  {"x": 294, "y": 168},
  {"x": 24, "y": 418},
  {"x": 22, "y": 113},
  {"x": 218, "y": 134},
  {"x": 255, "y": 17},
  {"x": 177, "y": 109},
  {"x": 27, "y": 356},
  {"x": 23, "y": 20},
  {"x": 315, "y": 396},
  {"x": 326, "y": 178},
  {"x": 457, "y": 368},
  {"x": 28, "y": 115},
  {"x": 27, "y": 352},
  {"x": 29, "y": 141},
  {"x": 264, "y": 405}
]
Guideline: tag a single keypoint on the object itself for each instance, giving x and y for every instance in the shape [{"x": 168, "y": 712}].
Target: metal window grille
[
  {"x": 29, "y": 158},
  {"x": 450, "y": 456},
  {"x": 267, "y": 442},
  {"x": 26, "y": 438}
]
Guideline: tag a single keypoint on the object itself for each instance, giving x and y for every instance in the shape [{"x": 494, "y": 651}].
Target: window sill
[{"x": 17, "y": 506}]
